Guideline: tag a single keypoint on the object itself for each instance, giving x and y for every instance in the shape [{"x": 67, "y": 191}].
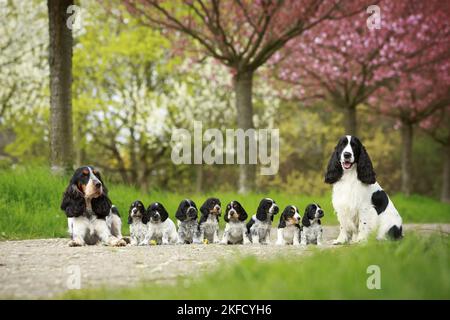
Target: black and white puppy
[
  {"x": 161, "y": 228},
  {"x": 360, "y": 203},
  {"x": 312, "y": 228},
  {"x": 289, "y": 227},
  {"x": 138, "y": 219},
  {"x": 88, "y": 209},
  {"x": 187, "y": 215},
  {"x": 235, "y": 230},
  {"x": 260, "y": 224},
  {"x": 208, "y": 226}
]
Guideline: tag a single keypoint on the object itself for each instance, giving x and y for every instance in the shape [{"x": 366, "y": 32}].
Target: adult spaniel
[
  {"x": 360, "y": 203},
  {"x": 91, "y": 216}
]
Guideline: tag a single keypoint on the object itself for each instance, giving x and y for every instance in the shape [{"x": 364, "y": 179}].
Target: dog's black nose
[
  {"x": 347, "y": 155},
  {"x": 98, "y": 184},
  {"x": 276, "y": 209}
]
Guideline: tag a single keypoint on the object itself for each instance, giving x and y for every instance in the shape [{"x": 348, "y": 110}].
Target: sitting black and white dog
[
  {"x": 235, "y": 230},
  {"x": 312, "y": 228},
  {"x": 186, "y": 215},
  {"x": 360, "y": 203},
  {"x": 91, "y": 216},
  {"x": 161, "y": 228},
  {"x": 289, "y": 227},
  {"x": 260, "y": 224},
  {"x": 138, "y": 219},
  {"x": 208, "y": 226}
]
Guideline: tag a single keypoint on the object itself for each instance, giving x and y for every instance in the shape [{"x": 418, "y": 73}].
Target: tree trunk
[
  {"x": 445, "y": 192},
  {"x": 407, "y": 142},
  {"x": 60, "y": 62},
  {"x": 243, "y": 89},
  {"x": 350, "y": 122},
  {"x": 198, "y": 178}
]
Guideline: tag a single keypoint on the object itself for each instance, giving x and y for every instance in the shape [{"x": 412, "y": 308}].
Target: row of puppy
[{"x": 152, "y": 225}]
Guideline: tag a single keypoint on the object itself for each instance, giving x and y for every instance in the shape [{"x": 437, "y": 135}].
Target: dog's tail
[{"x": 395, "y": 233}]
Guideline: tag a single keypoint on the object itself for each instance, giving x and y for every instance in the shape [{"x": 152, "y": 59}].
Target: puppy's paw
[
  {"x": 337, "y": 242},
  {"x": 74, "y": 243},
  {"x": 118, "y": 243}
]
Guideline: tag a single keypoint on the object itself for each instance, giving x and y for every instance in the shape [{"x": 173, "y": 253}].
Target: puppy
[
  {"x": 208, "y": 226},
  {"x": 138, "y": 219},
  {"x": 161, "y": 229},
  {"x": 235, "y": 229},
  {"x": 186, "y": 215},
  {"x": 289, "y": 228},
  {"x": 312, "y": 228},
  {"x": 259, "y": 226}
]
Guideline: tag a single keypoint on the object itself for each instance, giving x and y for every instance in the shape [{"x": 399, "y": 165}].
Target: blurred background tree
[{"x": 134, "y": 84}]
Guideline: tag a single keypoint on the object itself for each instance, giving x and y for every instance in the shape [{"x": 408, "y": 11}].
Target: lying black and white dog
[
  {"x": 89, "y": 211},
  {"x": 289, "y": 228},
  {"x": 235, "y": 230},
  {"x": 186, "y": 215},
  {"x": 208, "y": 226},
  {"x": 138, "y": 219},
  {"x": 312, "y": 228},
  {"x": 260, "y": 224},
  {"x": 161, "y": 228},
  {"x": 360, "y": 203}
]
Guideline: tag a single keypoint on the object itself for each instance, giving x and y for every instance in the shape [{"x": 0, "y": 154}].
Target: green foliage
[
  {"x": 30, "y": 200},
  {"x": 414, "y": 268}
]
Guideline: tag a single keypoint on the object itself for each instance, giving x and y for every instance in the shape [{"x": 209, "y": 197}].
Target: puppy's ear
[
  {"x": 163, "y": 213},
  {"x": 73, "y": 202},
  {"x": 204, "y": 209},
  {"x": 305, "y": 219},
  {"x": 282, "y": 223},
  {"x": 130, "y": 220},
  {"x": 334, "y": 169},
  {"x": 101, "y": 205},
  {"x": 261, "y": 213},
  {"x": 242, "y": 213},
  {"x": 364, "y": 167},
  {"x": 180, "y": 214},
  {"x": 225, "y": 216},
  {"x": 146, "y": 216}
]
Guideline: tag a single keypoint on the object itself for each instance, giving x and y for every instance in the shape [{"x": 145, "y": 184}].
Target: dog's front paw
[
  {"x": 337, "y": 242},
  {"x": 74, "y": 243},
  {"x": 119, "y": 243}
]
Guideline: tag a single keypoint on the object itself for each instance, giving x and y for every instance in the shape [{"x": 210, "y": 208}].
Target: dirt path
[{"x": 42, "y": 268}]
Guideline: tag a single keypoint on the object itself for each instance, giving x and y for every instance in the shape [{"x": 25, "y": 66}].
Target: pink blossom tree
[
  {"x": 438, "y": 126},
  {"x": 346, "y": 62},
  {"x": 242, "y": 35},
  {"x": 414, "y": 99}
]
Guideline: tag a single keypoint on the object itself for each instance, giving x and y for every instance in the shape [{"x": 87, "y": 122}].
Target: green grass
[
  {"x": 414, "y": 268},
  {"x": 30, "y": 199}
]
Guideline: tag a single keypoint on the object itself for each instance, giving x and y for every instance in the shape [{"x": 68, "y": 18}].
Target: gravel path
[{"x": 41, "y": 268}]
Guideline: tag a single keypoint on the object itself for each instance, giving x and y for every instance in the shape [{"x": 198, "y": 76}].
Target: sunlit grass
[
  {"x": 30, "y": 200},
  {"x": 414, "y": 268}
]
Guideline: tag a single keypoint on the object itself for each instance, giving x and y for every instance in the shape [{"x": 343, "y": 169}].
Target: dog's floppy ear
[
  {"x": 180, "y": 214},
  {"x": 163, "y": 213},
  {"x": 261, "y": 213},
  {"x": 204, "y": 209},
  {"x": 305, "y": 219},
  {"x": 146, "y": 216},
  {"x": 101, "y": 205},
  {"x": 334, "y": 169},
  {"x": 364, "y": 167},
  {"x": 225, "y": 216},
  {"x": 130, "y": 220},
  {"x": 73, "y": 203},
  {"x": 242, "y": 213},
  {"x": 282, "y": 223}
]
